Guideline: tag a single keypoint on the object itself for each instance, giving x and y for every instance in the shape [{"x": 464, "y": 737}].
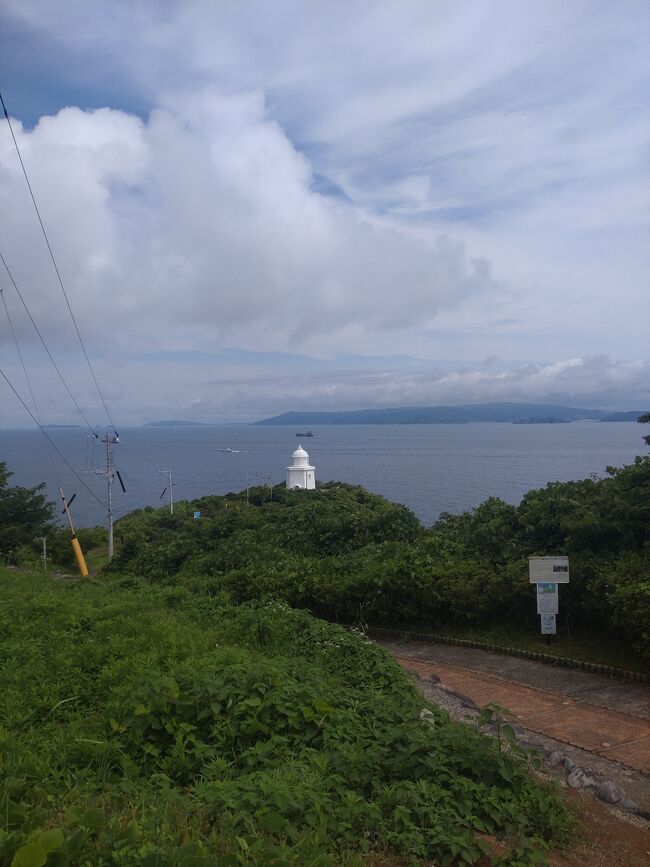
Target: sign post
[{"x": 547, "y": 573}]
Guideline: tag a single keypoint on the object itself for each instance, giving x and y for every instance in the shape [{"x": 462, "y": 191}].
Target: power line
[
  {"x": 20, "y": 355},
  {"x": 56, "y": 268},
  {"x": 52, "y": 443},
  {"x": 36, "y": 328}
]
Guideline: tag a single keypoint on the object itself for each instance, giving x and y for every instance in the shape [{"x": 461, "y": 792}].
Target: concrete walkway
[{"x": 604, "y": 716}]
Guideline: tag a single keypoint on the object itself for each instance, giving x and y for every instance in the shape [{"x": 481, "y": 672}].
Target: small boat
[{"x": 308, "y": 434}]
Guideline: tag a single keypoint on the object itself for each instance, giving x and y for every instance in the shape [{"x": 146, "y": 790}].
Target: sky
[{"x": 258, "y": 207}]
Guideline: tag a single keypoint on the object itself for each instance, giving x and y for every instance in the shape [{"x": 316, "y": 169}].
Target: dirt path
[
  {"x": 595, "y": 721},
  {"x": 604, "y": 716},
  {"x": 607, "y": 839}
]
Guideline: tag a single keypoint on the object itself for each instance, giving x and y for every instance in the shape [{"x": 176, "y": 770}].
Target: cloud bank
[
  {"x": 258, "y": 207},
  {"x": 201, "y": 225}
]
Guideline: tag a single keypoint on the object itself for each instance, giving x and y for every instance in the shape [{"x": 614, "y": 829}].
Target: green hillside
[
  {"x": 153, "y": 726},
  {"x": 175, "y": 710},
  {"x": 345, "y": 554}
]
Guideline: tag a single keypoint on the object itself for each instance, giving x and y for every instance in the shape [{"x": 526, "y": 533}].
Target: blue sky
[{"x": 260, "y": 207}]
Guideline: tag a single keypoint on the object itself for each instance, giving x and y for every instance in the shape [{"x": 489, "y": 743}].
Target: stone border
[{"x": 546, "y": 658}]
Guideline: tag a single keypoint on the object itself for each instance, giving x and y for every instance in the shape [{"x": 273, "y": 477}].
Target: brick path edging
[{"x": 546, "y": 658}]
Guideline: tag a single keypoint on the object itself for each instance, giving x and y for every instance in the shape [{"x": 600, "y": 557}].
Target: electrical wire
[
  {"x": 36, "y": 328},
  {"x": 20, "y": 355},
  {"x": 52, "y": 443},
  {"x": 56, "y": 267}
]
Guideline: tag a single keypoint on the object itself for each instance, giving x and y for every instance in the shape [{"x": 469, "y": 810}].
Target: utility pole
[
  {"x": 44, "y": 553},
  {"x": 170, "y": 488},
  {"x": 109, "y": 475}
]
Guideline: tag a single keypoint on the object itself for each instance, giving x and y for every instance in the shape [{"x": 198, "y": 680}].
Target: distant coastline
[
  {"x": 514, "y": 413},
  {"x": 177, "y": 423}
]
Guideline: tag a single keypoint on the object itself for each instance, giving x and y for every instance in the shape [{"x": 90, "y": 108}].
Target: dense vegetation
[
  {"x": 24, "y": 514},
  {"x": 344, "y": 553},
  {"x": 177, "y": 712},
  {"x": 153, "y": 726}
]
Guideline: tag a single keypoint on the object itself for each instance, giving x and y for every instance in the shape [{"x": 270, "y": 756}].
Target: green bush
[
  {"x": 59, "y": 548},
  {"x": 346, "y": 554},
  {"x": 24, "y": 515},
  {"x": 155, "y": 726}
]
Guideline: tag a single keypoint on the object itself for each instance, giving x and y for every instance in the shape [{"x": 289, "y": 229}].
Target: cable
[
  {"x": 56, "y": 268},
  {"x": 52, "y": 443},
  {"x": 20, "y": 355},
  {"x": 67, "y": 388}
]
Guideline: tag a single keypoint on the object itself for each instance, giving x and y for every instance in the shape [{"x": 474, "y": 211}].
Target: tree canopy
[
  {"x": 24, "y": 513},
  {"x": 343, "y": 552}
]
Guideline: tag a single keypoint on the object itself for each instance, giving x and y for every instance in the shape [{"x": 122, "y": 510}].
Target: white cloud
[
  {"x": 466, "y": 139},
  {"x": 250, "y": 389},
  {"x": 201, "y": 225}
]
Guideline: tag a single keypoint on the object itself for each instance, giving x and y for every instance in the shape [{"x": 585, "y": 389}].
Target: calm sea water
[{"x": 429, "y": 468}]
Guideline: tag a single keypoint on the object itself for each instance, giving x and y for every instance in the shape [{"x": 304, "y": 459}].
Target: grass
[
  {"x": 96, "y": 558},
  {"x": 154, "y": 726}
]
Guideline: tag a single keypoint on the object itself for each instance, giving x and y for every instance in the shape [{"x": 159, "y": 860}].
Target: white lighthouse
[{"x": 301, "y": 474}]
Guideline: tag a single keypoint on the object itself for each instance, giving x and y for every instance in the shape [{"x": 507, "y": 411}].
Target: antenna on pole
[
  {"x": 109, "y": 474},
  {"x": 170, "y": 488}
]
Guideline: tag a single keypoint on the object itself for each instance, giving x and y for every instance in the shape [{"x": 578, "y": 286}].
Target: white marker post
[{"x": 547, "y": 573}]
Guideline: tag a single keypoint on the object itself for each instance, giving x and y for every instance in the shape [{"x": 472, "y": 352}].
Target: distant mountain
[
  {"x": 529, "y": 413},
  {"x": 176, "y": 423},
  {"x": 632, "y": 415}
]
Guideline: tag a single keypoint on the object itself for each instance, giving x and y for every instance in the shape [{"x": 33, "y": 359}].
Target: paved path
[{"x": 604, "y": 716}]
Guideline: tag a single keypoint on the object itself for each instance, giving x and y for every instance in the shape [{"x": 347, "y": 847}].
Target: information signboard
[
  {"x": 548, "y": 569},
  {"x": 547, "y": 598},
  {"x": 548, "y": 624}
]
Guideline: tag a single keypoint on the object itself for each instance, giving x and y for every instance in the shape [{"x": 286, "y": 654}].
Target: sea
[{"x": 431, "y": 468}]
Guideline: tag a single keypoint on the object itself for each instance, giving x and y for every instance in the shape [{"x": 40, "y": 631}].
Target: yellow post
[
  {"x": 76, "y": 547},
  {"x": 81, "y": 563}
]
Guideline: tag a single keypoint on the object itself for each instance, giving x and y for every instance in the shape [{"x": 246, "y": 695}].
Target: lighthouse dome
[{"x": 300, "y": 457}]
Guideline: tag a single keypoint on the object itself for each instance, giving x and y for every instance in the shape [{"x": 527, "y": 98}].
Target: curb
[{"x": 546, "y": 658}]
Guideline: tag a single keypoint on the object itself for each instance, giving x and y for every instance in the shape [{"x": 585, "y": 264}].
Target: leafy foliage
[
  {"x": 60, "y": 551},
  {"x": 24, "y": 514},
  {"x": 340, "y": 551},
  {"x": 151, "y": 725}
]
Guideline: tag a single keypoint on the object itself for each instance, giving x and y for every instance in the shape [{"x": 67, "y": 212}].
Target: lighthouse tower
[{"x": 301, "y": 474}]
